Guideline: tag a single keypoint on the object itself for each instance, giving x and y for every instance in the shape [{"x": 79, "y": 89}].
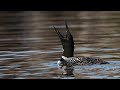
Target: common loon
[{"x": 68, "y": 60}]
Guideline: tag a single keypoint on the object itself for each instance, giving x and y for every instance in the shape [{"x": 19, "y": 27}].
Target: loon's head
[
  {"x": 65, "y": 66},
  {"x": 67, "y": 42},
  {"x": 62, "y": 62}
]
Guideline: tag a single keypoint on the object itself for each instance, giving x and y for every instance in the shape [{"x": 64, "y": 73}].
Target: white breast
[{"x": 65, "y": 58}]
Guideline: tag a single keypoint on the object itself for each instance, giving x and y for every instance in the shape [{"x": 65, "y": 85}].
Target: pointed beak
[
  {"x": 59, "y": 34},
  {"x": 67, "y": 31},
  {"x": 68, "y": 35}
]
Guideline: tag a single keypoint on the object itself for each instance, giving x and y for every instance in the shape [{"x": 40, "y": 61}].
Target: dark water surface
[{"x": 30, "y": 48}]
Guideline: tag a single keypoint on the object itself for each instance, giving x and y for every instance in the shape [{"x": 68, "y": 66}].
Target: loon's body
[
  {"x": 68, "y": 60},
  {"x": 82, "y": 61}
]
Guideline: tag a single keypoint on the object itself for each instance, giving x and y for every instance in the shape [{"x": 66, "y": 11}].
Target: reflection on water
[{"x": 30, "y": 48}]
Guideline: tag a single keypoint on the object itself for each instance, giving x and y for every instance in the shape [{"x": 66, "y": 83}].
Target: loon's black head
[{"x": 67, "y": 42}]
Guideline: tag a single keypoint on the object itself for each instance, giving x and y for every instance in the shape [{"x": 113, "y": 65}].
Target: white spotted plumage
[{"x": 81, "y": 60}]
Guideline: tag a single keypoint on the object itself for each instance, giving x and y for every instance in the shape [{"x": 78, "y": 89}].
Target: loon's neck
[
  {"x": 68, "y": 47},
  {"x": 67, "y": 42}
]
